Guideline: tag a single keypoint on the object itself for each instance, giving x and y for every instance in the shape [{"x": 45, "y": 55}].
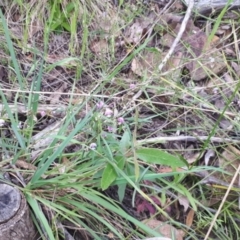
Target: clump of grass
[{"x": 92, "y": 151}]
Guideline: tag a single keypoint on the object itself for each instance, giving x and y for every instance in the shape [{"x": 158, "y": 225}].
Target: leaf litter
[{"x": 191, "y": 91}]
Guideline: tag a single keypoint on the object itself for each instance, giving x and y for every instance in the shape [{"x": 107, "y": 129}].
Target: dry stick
[
  {"x": 186, "y": 138},
  {"x": 20, "y": 108},
  {"x": 179, "y": 36},
  {"x": 61, "y": 93},
  {"x": 223, "y": 201}
]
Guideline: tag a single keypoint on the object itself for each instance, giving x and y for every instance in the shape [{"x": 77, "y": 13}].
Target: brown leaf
[
  {"x": 190, "y": 217},
  {"x": 195, "y": 41},
  {"x": 193, "y": 45},
  {"x": 138, "y": 29},
  {"x": 184, "y": 202},
  {"x": 236, "y": 68},
  {"x": 148, "y": 64},
  {"x": 206, "y": 65},
  {"x": 177, "y": 6},
  {"x": 54, "y": 98},
  {"x": 25, "y": 165},
  {"x": 228, "y": 161},
  {"x": 165, "y": 229},
  {"x": 191, "y": 34},
  {"x": 99, "y": 47},
  {"x": 191, "y": 155}
]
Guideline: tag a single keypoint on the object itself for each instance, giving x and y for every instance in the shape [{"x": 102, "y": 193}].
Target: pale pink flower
[
  {"x": 93, "y": 146},
  {"x": 110, "y": 129},
  {"x": 132, "y": 85},
  {"x": 100, "y": 105},
  {"x": 120, "y": 120},
  {"x": 108, "y": 112}
]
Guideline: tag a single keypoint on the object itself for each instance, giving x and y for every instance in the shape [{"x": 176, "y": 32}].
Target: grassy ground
[{"x": 102, "y": 143}]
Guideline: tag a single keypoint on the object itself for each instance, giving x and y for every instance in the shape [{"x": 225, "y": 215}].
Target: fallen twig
[
  {"x": 179, "y": 36},
  {"x": 206, "y": 7},
  {"x": 22, "y": 109},
  {"x": 186, "y": 138}
]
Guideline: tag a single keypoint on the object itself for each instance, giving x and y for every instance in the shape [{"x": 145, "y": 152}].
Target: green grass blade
[
  {"x": 40, "y": 216},
  {"x": 12, "y": 54},
  {"x": 45, "y": 165},
  {"x": 14, "y": 123}
]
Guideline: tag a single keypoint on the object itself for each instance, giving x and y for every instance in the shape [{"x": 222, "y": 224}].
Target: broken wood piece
[
  {"x": 206, "y": 7},
  {"x": 186, "y": 138},
  {"x": 15, "y": 220},
  {"x": 53, "y": 110}
]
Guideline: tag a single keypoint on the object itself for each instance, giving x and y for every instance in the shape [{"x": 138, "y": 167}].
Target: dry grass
[{"x": 92, "y": 69}]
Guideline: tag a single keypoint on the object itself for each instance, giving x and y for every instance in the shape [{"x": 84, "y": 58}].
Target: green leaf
[
  {"x": 109, "y": 175},
  {"x": 120, "y": 161},
  {"x": 125, "y": 142},
  {"x": 157, "y": 156},
  {"x": 66, "y": 26},
  {"x": 121, "y": 191},
  {"x": 40, "y": 216}
]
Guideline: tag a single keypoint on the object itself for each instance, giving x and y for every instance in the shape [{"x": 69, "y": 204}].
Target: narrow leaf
[
  {"x": 109, "y": 175},
  {"x": 40, "y": 216},
  {"x": 121, "y": 191},
  {"x": 157, "y": 156},
  {"x": 125, "y": 143}
]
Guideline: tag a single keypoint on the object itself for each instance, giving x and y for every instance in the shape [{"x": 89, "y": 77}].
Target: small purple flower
[
  {"x": 120, "y": 120},
  {"x": 93, "y": 146},
  {"x": 43, "y": 113},
  {"x": 132, "y": 85},
  {"x": 110, "y": 129},
  {"x": 108, "y": 112},
  {"x": 100, "y": 105}
]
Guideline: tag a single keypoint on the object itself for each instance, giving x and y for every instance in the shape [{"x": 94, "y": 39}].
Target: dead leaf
[
  {"x": 99, "y": 47},
  {"x": 134, "y": 33},
  {"x": 193, "y": 45},
  {"x": 207, "y": 65},
  {"x": 177, "y": 6},
  {"x": 147, "y": 64},
  {"x": 54, "y": 98},
  {"x": 25, "y": 165},
  {"x": 228, "y": 161},
  {"x": 184, "y": 202},
  {"x": 193, "y": 37},
  {"x": 236, "y": 68},
  {"x": 167, "y": 23},
  {"x": 190, "y": 217},
  {"x": 208, "y": 155},
  {"x": 173, "y": 66},
  {"x": 190, "y": 154},
  {"x": 215, "y": 42},
  {"x": 165, "y": 229},
  {"x": 168, "y": 39}
]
